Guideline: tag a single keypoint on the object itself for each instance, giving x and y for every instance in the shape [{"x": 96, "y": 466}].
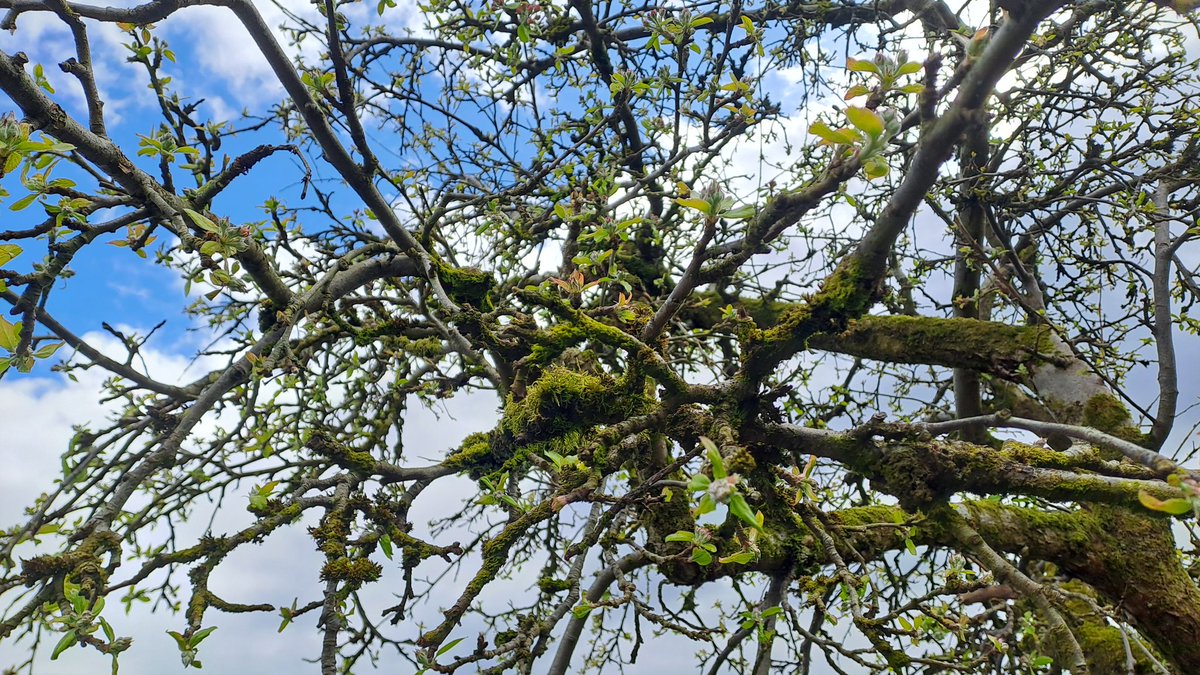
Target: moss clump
[
  {"x": 356, "y": 571},
  {"x": 1047, "y": 458},
  {"x": 740, "y": 461},
  {"x": 325, "y": 445},
  {"x": 564, "y": 400},
  {"x": 45, "y": 566},
  {"x": 554, "y": 341},
  {"x": 465, "y": 285},
  {"x": 474, "y": 450},
  {"x": 550, "y": 585},
  {"x": 1105, "y": 413}
]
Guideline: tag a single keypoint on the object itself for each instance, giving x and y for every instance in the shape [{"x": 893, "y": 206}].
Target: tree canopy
[{"x": 860, "y": 317}]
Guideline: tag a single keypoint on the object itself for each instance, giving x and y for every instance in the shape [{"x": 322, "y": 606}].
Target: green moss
[
  {"x": 341, "y": 454},
  {"x": 563, "y": 400},
  {"x": 473, "y": 451},
  {"x": 465, "y": 285},
  {"x": 355, "y": 572},
  {"x": 1102, "y": 644},
  {"x": 1105, "y": 413},
  {"x": 555, "y": 340},
  {"x": 1042, "y": 457},
  {"x": 846, "y": 294},
  {"x": 861, "y": 516},
  {"x": 45, "y": 566},
  {"x": 550, "y": 585}
]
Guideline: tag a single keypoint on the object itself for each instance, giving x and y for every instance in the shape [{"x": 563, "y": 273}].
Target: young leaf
[
  {"x": 449, "y": 645},
  {"x": 46, "y": 351},
  {"x": 740, "y": 212},
  {"x": 714, "y": 457},
  {"x": 180, "y": 640},
  {"x": 24, "y": 202},
  {"x": 63, "y": 645},
  {"x": 199, "y": 636},
  {"x": 875, "y": 167},
  {"x": 741, "y": 509},
  {"x": 1175, "y": 507},
  {"x": 856, "y": 91},
  {"x": 831, "y": 136},
  {"x": 202, "y": 221},
  {"x": 8, "y": 252},
  {"x": 858, "y": 66},
  {"x": 700, "y": 205},
  {"x": 868, "y": 121}
]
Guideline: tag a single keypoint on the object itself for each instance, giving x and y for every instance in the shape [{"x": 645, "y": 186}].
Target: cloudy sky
[{"x": 40, "y": 409}]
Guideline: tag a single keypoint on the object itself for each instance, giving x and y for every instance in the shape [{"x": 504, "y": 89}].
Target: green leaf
[
  {"x": 46, "y": 351},
  {"x": 108, "y": 631},
  {"x": 866, "y": 120},
  {"x": 856, "y": 91},
  {"x": 738, "y": 558},
  {"x": 682, "y": 536},
  {"x": 449, "y": 645},
  {"x": 699, "y": 483},
  {"x": 581, "y": 610},
  {"x": 707, "y": 505},
  {"x": 908, "y": 68},
  {"x": 8, "y": 252},
  {"x": 714, "y": 457},
  {"x": 912, "y": 548},
  {"x": 10, "y": 334},
  {"x": 700, "y": 205},
  {"x": 385, "y": 544},
  {"x": 24, "y": 202},
  {"x": 202, "y": 221},
  {"x": 740, "y": 508},
  {"x": 740, "y": 212},
  {"x": 199, "y": 636},
  {"x": 701, "y": 557},
  {"x": 64, "y": 643},
  {"x": 1175, "y": 507},
  {"x": 831, "y": 136},
  {"x": 914, "y": 88},
  {"x": 1041, "y": 661},
  {"x": 702, "y": 21},
  {"x": 876, "y": 167},
  {"x": 858, "y": 66}
]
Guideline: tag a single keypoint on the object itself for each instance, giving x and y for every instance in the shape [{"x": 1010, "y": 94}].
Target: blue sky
[{"x": 111, "y": 284}]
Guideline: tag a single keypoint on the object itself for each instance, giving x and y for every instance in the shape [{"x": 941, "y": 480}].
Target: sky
[{"x": 38, "y": 410}]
